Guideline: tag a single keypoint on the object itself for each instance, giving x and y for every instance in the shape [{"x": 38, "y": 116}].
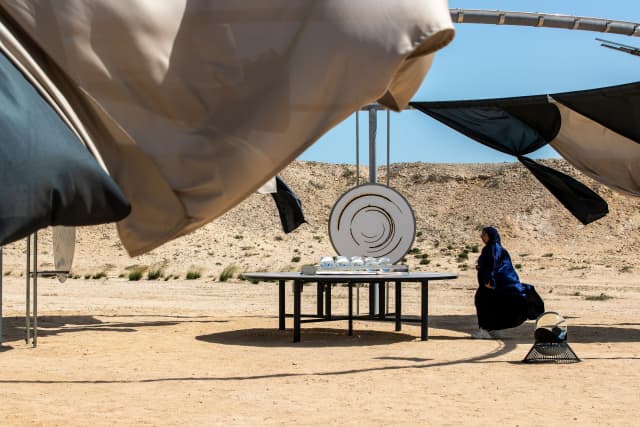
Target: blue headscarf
[
  {"x": 494, "y": 264},
  {"x": 494, "y": 244},
  {"x": 494, "y": 236}
]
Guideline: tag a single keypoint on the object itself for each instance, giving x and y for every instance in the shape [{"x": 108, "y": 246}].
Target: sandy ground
[
  {"x": 193, "y": 352},
  {"x": 203, "y": 352}
]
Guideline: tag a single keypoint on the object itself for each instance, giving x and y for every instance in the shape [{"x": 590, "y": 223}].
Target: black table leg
[
  {"x": 350, "y": 309},
  {"x": 424, "y": 315},
  {"x": 381, "y": 299},
  {"x": 327, "y": 301},
  {"x": 398, "y": 298},
  {"x": 372, "y": 300},
  {"x": 281, "y": 309},
  {"x": 297, "y": 290},
  {"x": 320, "y": 298}
]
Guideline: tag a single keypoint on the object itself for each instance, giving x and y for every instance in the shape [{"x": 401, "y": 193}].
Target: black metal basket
[{"x": 551, "y": 341}]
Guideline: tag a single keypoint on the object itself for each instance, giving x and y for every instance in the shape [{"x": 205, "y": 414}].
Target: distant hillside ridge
[{"x": 451, "y": 202}]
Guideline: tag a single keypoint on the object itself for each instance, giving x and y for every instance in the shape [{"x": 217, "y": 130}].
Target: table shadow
[{"x": 310, "y": 337}]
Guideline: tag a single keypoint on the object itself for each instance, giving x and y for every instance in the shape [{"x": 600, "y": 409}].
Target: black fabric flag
[
  {"x": 581, "y": 201},
  {"x": 519, "y": 126},
  {"x": 289, "y": 206},
  {"x": 47, "y": 176},
  {"x": 516, "y": 126}
]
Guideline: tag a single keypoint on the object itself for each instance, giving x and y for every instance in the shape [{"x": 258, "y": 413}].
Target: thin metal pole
[
  {"x": 386, "y": 284},
  {"x": 374, "y": 299},
  {"x": 373, "y": 130},
  {"x": 357, "y": 149},
  {"x": 388, "y": 143},
  {"x": 357, "y": 183},
  {"x": 27, "y": 334},
  {"x": 35, "y": 289},
  {"x": 1, "y": 295}
]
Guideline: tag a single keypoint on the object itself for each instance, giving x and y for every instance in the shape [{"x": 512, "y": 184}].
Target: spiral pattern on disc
[{"x": 372, "y": 220}]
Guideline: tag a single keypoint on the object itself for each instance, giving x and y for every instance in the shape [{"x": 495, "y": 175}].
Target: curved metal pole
[
  {"x": 1, "y": 295},
  {"x": 547, "y": 20},
  {"x": 27, "y": 314}
]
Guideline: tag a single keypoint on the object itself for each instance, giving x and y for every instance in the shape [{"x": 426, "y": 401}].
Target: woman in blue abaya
[{"x": 501, "y": 300}]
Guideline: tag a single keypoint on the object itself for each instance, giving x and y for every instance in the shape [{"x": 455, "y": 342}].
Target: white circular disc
[{"x": 372, "y": 220}]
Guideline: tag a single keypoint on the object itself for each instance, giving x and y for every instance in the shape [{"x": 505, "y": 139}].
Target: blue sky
[{"x": 489, "y": 61}]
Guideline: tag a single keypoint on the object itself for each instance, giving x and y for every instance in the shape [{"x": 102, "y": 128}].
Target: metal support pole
[
  {"x": 398, "y": 289},
  {"x": 297, "y": 290},
  {"x": 281, "y": 305},
  {"x": 357, "y": 149},
  {"x": 386, "y": 284},
  {"x": 373, "y": 130},
  {"x": 35, "y": 289},
  {"x": 350, "y": 309},
  {"x": 374, "y": 309},
  {"x": 27, "y": 317},
  {"x": 1, "y": 276},
  {"x": 424, "y": 310},
  {"x": 320, "y": 299},
  {"x": 388, "y": 145}
]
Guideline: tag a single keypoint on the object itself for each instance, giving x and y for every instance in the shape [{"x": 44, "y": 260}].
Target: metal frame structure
[
  {"x": 631, "y": 50},
  {"x": 547, "y": 20},
  {"x": 324, "y": 297}
]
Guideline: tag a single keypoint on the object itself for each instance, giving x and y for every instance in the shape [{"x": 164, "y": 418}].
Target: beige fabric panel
[
  {"x": 598, "y": 152},
  {"x": 194, "y": 104}
]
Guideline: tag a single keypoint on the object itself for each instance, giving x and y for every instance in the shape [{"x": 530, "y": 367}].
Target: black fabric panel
[
  {"x": 544, "y": 118},
  {"x": 289, "y": 206},
  {"x": 581, "y": 201},
  {"x": 47, "y": 176},
  {"x": 615, "y": 107},
  {"x": 516, "y": 126},
  {"x": 491, "y": 126}
]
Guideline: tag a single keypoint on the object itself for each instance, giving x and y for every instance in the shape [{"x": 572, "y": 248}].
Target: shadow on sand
[
  {"x": 461, "y": 324},
  {"x": 311, "y": 337},
  {"x": 322, "y": 337},
  {"x": 577, "y": 332},
  {"x": 14, "y": 327}
]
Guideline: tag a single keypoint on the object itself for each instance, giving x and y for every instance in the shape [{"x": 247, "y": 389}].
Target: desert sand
[{"x": 173, "y": 351}]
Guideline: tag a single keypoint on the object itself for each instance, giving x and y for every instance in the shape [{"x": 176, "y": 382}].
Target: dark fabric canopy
[
  {"x": 595, "y": 130},
  {"x": 289, "y": 206},
  {"x": 47, "y": 176}
]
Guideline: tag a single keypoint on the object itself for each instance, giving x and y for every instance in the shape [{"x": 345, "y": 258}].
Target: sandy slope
[{"x": 205, "y": 352}]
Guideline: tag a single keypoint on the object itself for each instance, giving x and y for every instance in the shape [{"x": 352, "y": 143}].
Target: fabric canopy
[
  {"x": 289, "y": 207},
  {"x": 47, "y": 177},
  {"x": 594, "y": 130},
  {"x": 193, "y": 104}
]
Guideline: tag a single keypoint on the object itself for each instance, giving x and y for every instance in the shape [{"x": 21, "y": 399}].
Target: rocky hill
[{"x": 451, "y": 202}]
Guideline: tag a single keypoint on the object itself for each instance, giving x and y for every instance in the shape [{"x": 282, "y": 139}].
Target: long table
[{"x": 324, "y": 283}]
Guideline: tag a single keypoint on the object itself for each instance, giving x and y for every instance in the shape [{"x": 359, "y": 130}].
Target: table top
[{"x": 351, "y": 277}]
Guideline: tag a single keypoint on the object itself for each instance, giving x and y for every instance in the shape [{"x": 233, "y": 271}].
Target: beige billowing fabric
[
  {"x": 598, "y": 152},
  {"x": 194, "y": 104}
]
